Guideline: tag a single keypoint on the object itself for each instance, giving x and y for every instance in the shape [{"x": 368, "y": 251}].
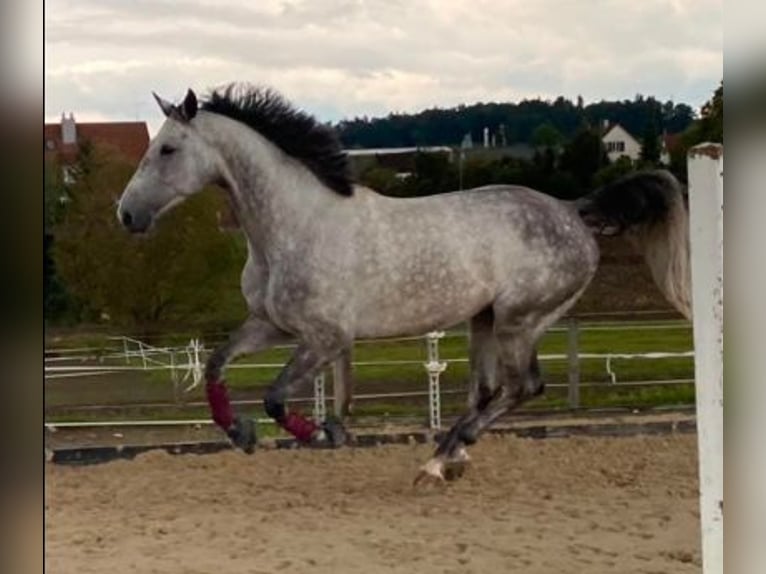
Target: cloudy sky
[{"x": 345, "y": 58}]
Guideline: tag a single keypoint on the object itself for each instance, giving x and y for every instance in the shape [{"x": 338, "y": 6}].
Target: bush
[{"x": 185, "y": 271}]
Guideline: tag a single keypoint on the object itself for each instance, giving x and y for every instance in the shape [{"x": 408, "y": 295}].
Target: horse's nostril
[{"x": 127, "y": 218}]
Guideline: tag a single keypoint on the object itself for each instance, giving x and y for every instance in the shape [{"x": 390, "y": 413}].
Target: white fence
[{"x": 185, "y": 366}]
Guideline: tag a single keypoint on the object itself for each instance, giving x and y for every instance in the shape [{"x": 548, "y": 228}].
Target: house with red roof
[
  {"x": 63, "y": 140},
  {"x": 669, "y": 143},
  {"x": 128, "y": 139}
]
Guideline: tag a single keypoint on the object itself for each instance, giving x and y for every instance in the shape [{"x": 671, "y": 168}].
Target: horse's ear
[
  {"x": 189, "y": 107},
  {"x": 166, "y": 107}
]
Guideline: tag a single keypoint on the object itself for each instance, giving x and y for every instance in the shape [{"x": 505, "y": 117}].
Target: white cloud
[{"x": 350, "y": 57}]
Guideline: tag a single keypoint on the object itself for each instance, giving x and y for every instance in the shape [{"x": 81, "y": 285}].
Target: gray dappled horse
[{"x": 330, "y": 261}]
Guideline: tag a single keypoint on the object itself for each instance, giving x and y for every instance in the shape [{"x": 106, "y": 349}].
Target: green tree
[
  {"x": 180, "y": 273},
  {"x": 584, "y": 156},
  {"x": 711, "y": 127},
  {"x": 433, "y": 174},
  {"x": 54, "y": 194},
  {"x": 382, "y": 180},
  {"x": 547, "y": 136},
  {"x": 615, "y": 170},
  {"x": 518, "y": 120},
  {"x": 708, "y": 128},
  {"x": 650, "y": 143},
  {"x": 57, "y": 304}
]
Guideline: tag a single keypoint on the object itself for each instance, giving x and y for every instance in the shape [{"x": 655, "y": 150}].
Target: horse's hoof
[
  {"x": 425, "y": 478},
  {"x": 455, "y": 467},
  {"x": 242, "y": 434},
  {"x": 454, "y": 470},
  {"x": 334, "y": 433},
  {"x": 431, "y": 472}
]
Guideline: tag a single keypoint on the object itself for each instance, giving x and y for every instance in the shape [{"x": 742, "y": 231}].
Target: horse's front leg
[
  {"x": 300, "y": 371},
  {"x": 254, "y": 335}
]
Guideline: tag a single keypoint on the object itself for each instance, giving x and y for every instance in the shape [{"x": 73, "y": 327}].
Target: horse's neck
[{"x": 271, "y": 193}]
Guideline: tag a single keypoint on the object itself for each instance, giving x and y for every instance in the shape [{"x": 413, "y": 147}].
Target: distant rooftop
[
  {"x": 131, "y": 139},
  {"x": 394, "y": 150}
]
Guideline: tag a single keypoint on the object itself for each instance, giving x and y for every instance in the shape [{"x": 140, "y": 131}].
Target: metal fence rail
[{"x": 186, "y": 364}]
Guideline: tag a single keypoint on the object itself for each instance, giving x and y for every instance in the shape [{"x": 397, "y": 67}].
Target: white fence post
[
  {"x": 705, "y": 169},
  {"x": 573, "y": 360},
  {"x": 194, "y": 365},
  {"x": 174, "y": 377},
  {"x": 342, "y": 383},
  {"x": 320, "y": 405},
  {"x": 435, "y": 369}
]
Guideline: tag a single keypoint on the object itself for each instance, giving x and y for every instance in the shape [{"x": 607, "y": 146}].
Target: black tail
[
  {"x": 649, "y": 209},
  {"x": 640, "y": 199}
]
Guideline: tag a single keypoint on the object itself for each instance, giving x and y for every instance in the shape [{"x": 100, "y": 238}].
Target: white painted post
[
  {"x": 194, "y": 365},
  {"x": 573, "y": 358},
  {"x": 342, "y": 384},
  {"x": 197, "y": 373},
  {"x": 435, "y": 369},
  {"x": 705, "y": 169},
  {"x": 320, "y": 405},
  {"x": 174, "y": 377}
]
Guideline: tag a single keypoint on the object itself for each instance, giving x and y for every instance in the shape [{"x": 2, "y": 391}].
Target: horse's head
[{"x": 177, "y": 164}]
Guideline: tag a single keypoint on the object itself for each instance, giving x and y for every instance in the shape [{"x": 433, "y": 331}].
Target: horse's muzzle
[{"x": 134, "y": 223}]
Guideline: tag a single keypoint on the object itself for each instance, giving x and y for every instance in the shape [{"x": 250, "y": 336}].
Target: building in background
[
  {"x": 619, "y": 142},
  {"x": 669, "y": 144},
  {"x": 63, "y": 140},
  {"x": 399, "y": 159}
]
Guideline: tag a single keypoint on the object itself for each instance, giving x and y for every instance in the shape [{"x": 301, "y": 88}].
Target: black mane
[{"x": 295, "y": 132}]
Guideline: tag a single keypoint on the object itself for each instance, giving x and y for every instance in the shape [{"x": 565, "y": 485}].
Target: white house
[{"x": 618, "y": 142}]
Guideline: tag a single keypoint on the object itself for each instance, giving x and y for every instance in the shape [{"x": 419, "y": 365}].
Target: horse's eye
[{"x": 167, "y": 150}]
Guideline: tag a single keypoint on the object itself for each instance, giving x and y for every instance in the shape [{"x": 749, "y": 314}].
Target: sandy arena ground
[{"x": 563, "y": 506}]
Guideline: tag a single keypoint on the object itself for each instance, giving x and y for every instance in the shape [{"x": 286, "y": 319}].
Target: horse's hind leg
[
  {"x": 520, "y": 381},
  {"x": 482, "y": 358},
  {"x": 254, "y": 335},
  {"x": 516, "y": 380},
  {"x": 483, "y": 355}
]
